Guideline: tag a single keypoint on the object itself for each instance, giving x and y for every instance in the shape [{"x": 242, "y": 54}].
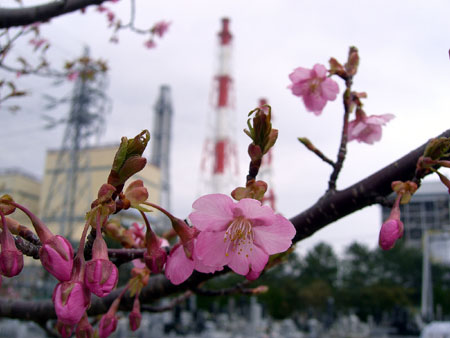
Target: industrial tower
[
  {"x": 161, "y": 139},
  {"x": 219, "y": 167},
  {"x": 265, "y": 171},
  {"x": 84, "y": 121}
]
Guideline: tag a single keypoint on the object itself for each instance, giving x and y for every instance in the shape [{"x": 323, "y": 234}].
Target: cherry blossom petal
[
  {"x": 239, "y": 263},
  {"x": 314, "y": 103},
  {"x": 275, "y": 238},
  {"x": 330, "y": 89},
  {"x": 258, "y": 259},
  {"x": 253, "y": 210},
  {"x": 178, "y": 266},
  {"x": 319, "y": 70},
  {"x": 212, "y": 212},
  {"x": 210, "y": 248},
  {"x": 300, "y": 74},
  {"x": 379, "y": 119}
]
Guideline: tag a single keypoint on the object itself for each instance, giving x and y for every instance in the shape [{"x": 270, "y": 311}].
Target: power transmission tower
[
  {"x": 88, "y": 105},
  {"x": 161, "y": 140}
]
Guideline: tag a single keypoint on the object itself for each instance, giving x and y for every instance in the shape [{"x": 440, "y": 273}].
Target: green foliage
[{"x": 363, "y": 281}]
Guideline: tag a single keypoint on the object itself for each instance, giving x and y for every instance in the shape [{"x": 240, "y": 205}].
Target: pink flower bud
[
  {"x": 136, "y": 193},
  {"x": 107, "y": 325},
  {"x": 135, "y": 315},
  {"x": 391, "y": 230},
  {"x": 156, "y": 260},
  {"x": 155, "y": 257},
  {"x": 135, "y": 320},
  {"x": 101, "y": 276},
  {"x": 64, "y": 330},
  {"x": 11, "y": 262},
  {"x": 56, "y": 256},
  {"x": 160, "y": 28},
  {"x": 84, "y": 328},
  {"x": 186, "y": 233},
  {"x": 71, "y": 300},
  {"x": 253, "y": 275},
  {"x": 11, "y": 259}
]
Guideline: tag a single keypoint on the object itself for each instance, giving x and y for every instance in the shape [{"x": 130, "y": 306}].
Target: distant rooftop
[
  {"x": 432, "y": 186},
  {"x": 103, "y": 146},
  {"x": 18, "y": 171}
]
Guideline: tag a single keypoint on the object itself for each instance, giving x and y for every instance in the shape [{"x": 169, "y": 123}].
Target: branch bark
[
  {"x": 12, "y": 17},
  {"x": 331, "y": 207}
]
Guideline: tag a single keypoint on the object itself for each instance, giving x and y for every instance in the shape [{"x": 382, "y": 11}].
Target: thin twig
[
  {"x": 236, "y": 289},
  {"x": 170, "y": 306},
  {"x": 344, "y": 136}
]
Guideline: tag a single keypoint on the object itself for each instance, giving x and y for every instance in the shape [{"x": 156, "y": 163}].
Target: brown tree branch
[
  {"x": 11, "y": 17},
  {"x": 327, "y": 210}
]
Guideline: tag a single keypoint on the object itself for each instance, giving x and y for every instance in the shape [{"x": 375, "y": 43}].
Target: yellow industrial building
[
  {"x": 24, "y": 188},
  {"x": 63, "y": 212},
  {"x": 94, "y": 165}
]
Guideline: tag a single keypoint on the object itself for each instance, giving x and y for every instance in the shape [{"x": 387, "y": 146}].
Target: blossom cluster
[{"x": 316, "y": 89}]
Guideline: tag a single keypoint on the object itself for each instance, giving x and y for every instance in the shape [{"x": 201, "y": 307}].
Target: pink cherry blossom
[
  {"x": 241, "y": 235},
  {"x": 314, "y": 87},
  {"x": 367, "y": 129},
  {"x": 160, "y": 28},
  {"x": 150, "y": 44},
  {"x": 137, "y": 231},
  {"x": 72, "y": 76}
]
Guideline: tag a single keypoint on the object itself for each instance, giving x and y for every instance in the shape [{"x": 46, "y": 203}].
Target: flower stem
[
  {"x": 347, "y": 100},
  {"x": 41, "y": 229}
]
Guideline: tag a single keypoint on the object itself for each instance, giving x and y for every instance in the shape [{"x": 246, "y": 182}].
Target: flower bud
[
  {"x": 5, "y": 207},
  {"x": 56, "y": 256},
  {"x": 253, "y": 189},
  {"x": 11, "y": 262},
  {"x": 84, "y": 328},
  {"x": 128, "y": 159},
  {"x": 391, "y": 230},
  {"x": 136, "y": 193},
  {"x": 101, "y": 275},
  {"x": 351, "y": 66},
  {"x": 155, "y": 257},
  {"x": 253, "y": 275},
  {"x": 71, "y": 299},
  {"x": 64, "y": 330},
  {"x": 107, "y": 325},
  {"x": 135, "y": 315},
  {"x": 11, "y": 259},
  {"x": 337, "y": 68}
]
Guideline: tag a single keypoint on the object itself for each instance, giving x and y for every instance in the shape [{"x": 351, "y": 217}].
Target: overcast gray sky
[{"x": 404, "y": 68}]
